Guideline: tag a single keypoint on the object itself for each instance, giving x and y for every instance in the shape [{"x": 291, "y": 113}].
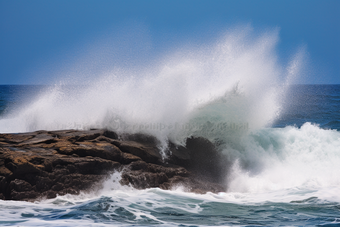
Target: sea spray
[
  {"x": 278, "y": 159},
  {"x": 223, "y": 92},
  {"x": 226, "y": 92},
  {"x": 238, "y": 80}
]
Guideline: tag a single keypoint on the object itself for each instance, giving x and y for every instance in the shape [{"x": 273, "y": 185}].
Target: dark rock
[
  {"x": 205, "y": 161},
  {"x": 101, "y": 150},
  {"x": 147, "y": 153},
  {"x": 179, "y": 155},
  {"x": 110, "y": 134},
  {"x": 5, "y": 172},
  {"x": 40, "y": 138},
  {"x": 20, "y": 185},
  {"x": 29, "y": 195},
  {"x": 21, "y": 165},
  {"x": 16, "y": 138},
  {"x": 92, "y": 135},
  {"x": 50, "y": 194},
  {"x": 58, "y": 187},
  {"x": 127, "y": 158},
  {"x": 138, "y": 165},
  {"x": 105, "y": 139},
  {"x": 43, "y": 164},
  {"x": 43, "y": 184},
  {"x": 142, "y": 180},
  {"x": 3, "y": 185},
  {"x": 141, "y": 138},
  {"x": 74, "y": 135}
]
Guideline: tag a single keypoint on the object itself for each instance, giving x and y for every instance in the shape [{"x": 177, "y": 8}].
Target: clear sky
[{"x": 40, "y": 37}]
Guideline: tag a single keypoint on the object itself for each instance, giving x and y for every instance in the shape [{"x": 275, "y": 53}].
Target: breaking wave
[
  {"x": 228, "y": 92},
  {"x": 236, "y": 81}
]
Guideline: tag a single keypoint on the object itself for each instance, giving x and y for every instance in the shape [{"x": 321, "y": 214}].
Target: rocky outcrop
[{"x": 43, "y": 164}]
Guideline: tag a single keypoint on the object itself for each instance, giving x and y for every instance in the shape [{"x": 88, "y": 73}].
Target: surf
[
  {"x": 238, "y": 79},
  {"x": 229, "y": 92}
]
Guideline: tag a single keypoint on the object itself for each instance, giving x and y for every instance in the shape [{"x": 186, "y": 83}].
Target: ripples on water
[
  {"x": 284, "y": 175},
  {"x": 157, "y": 207}
]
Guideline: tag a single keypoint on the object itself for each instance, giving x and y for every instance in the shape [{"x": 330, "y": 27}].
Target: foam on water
[
  {"x": 277, "y": 177},
  {"x": 114, "y": 205},
  {"x": 227, "y": 92},
  {"x": 296, "y": 159}
]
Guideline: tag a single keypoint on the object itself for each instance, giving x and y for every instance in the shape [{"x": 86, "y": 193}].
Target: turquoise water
[
  {"x": 284, "y": 175},
  {"x": 161, "y": 208},
  {"x": 282, "y": 141}
]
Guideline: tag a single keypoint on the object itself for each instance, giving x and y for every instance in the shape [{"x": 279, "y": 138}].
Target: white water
[
  {"x": 237, "y": 80},
  {"x": 289, "y": 160},
  {"x": 228, "y": 92},
  {"x": 141, "y": 207}
]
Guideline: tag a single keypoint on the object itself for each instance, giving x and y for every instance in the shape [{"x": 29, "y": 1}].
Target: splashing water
[
  {"x": 230, "y": 93},
  {"x": 236, "y": 81}
]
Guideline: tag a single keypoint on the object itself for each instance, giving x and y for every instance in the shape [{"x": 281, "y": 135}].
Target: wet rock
[
  {"x": 40, "y": 138},
  {"x": 205, "y": 161},
  {"x": 74, "y": 135},
  {"x": 15, "y": 138},
  {"x": 46, "y": 163},
  {"x": 145, "y": 152},
  {"x": 102, "y": 150},
  {"x": 20, "y": 185},
  {"x": 142, "y": 180},
  {"x": 127, "y": 158},
  {"x": 179, "y": 155}
]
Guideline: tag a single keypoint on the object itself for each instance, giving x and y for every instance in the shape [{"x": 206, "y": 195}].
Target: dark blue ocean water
[
  {"x": 318, "y": 104},
  {"x": 16, "y": 95},
  {"x": 284, "y": 175}
]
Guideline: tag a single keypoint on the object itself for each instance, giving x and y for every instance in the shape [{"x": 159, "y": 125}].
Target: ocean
[
  {"x": 282, "y": 141},
  {"x": 295, "y": 180}
]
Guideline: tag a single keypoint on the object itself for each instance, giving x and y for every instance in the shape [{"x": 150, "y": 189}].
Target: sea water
[{"x": 282, "y": 141}]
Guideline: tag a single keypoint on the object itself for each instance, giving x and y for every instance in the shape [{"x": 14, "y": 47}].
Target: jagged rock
[
  {"x": 43, "y": 164},
  {"x": 16, "y": 138},
  {"x": 128, "y": 158},
  {"x": 102, "y": 150},
  {"x": 179, "y": 155},
  {"x": 204, "y": 154},
  {"x": 40, "y": 138},
  {"x": 147, "y": 153}
]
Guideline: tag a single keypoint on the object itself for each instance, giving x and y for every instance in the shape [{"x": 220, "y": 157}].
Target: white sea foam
[
  {"x": 286, "y": 160},
  {"x": 227, "y": 92}
]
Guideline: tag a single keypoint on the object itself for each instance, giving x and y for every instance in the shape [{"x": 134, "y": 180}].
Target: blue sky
[{"x": 38, "y": 38}]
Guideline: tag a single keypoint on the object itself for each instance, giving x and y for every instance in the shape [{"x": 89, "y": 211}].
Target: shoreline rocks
[{"x": 43, "y": 164}]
